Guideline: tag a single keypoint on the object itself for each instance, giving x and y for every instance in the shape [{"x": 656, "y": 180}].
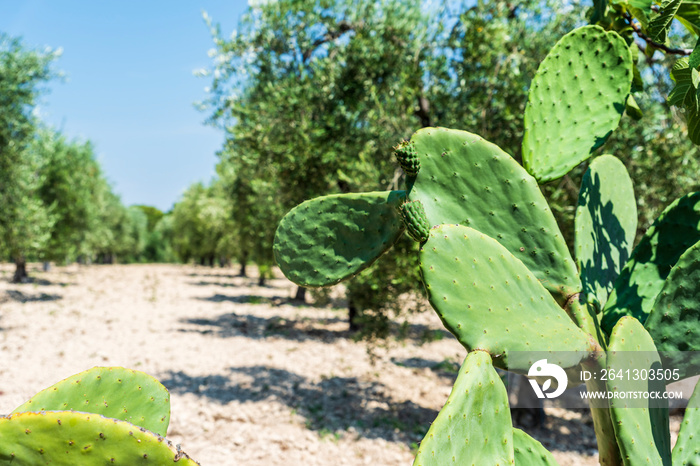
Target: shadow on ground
[
  {"x": 332, "y": 405},
  {"x": 19, "y": 296},
  {"x": 251, "y": 326}
]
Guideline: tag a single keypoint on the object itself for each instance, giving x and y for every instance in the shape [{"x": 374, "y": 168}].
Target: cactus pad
[
  {"x": 491, "y": 301},
  {"x": 530, "y": 452},
  {"x": 331, "y": 238},
  {"x": 71, "y": 438},
  {"x": 575, "y": 101},
  {"x": 474, "y": 426},
  {"x": 674, "y": 322},
  {"x": 641, "y": 280},
  {"x": 416, "y": 222},
  {"x": 642, "y": 432},
  {"x": 687, "y": 449},
  {"x": 407, "y": 157},
  {"x": 113, "y": 392},
  {"x": 468, "y": 181},
  {"x": 606, "y": 222}
]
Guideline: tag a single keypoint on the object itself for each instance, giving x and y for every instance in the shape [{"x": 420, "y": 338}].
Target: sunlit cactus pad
[
  {"x": 469, "y": 181},
  {"x": 491, "y": 301},
  {"x": 474, "y": 426},
  {"x": 70, "y": 438},
  {"x": 530, "y": 452},
  {"x": 113, "y": 392},
  {"x": 641, "y": 425},
  {"x": 575, "y": 101},
  {"x": 328, "y": 239}
]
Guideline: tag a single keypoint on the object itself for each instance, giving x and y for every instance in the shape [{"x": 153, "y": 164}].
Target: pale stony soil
[{"x": 254, "y": 380}]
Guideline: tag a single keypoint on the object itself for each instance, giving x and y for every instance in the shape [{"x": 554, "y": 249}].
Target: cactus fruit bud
[
  {"x": 406, "y": 155},
  {"x": 413, "y": 215}
]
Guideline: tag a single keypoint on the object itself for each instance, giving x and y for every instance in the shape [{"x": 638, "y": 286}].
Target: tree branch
[
  {"x": 647, "y": 39},
  {"x": 343, "y": 27}
]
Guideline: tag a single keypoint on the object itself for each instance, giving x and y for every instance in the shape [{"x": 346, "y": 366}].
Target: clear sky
[{"x": 129, "y": 86}]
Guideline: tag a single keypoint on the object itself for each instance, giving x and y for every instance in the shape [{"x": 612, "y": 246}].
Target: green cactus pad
[
  {"x": 416, "y": 222},
  {"x": 687, "y": 449},
  {"x": 530, "y": 452},
  {"x": 674, "y": 321},
  {"x": 575, "y": 101},
  {"x": 474, "y": 426},
  {"x": 641, "y": 280},
  {"x": 331, "y": 238},
  {"x": 71, "y": 438},
  {"x": 407, "y": 157},
  {"x": 641, "y": 426},
  {"x": 468, "y": 181},
  {"x": 491, "y": 301},
  {"x": 606, "y": 222},
  {"x": 113, "y": 392}
]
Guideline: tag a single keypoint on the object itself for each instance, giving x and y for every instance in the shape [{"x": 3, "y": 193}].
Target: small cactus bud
[
  {"x": 417, "y": 226},
  {"x": 405, "y": 153}
]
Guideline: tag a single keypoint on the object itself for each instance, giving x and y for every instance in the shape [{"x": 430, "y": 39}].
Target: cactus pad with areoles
[
  {"x": 469, "y": 181},
  {"x": 575, "y": 101},
  {"x": 71, "y": 438},
  {"x": 641, "y": 280},
  {"x": 474, "y": 426},
  {"x": 530, "y": 452},
  {"x": 490, "y": 301},
  {"x": 686, "y": 452},
  {"x": 113, "y": 392},
  {"x": 674, "y": 321},
  {"x": 606, "y": 222},
  {"x": 331, "y": 238},
  {"x": 641, "y": 425}
]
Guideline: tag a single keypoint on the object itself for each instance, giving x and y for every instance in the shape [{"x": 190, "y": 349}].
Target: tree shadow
[
  {"x": 275, "y": 301},
  {"x": 335, "y": 404},
  {"x": 235, "y": 325},
  {"x": 446, "y": 369},
  {"x": 45, "y": 282},
  {"x": 19, "y": 296}
]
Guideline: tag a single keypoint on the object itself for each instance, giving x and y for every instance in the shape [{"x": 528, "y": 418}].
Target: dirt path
[{"x": 254, "y": 380}]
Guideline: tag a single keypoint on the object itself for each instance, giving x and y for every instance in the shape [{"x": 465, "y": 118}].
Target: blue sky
[{"x": 129, "y": 86}]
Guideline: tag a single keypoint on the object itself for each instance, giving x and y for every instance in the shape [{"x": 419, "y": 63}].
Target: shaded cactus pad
[
  {"x": 490, "y": 301},
  {"x": 417, "y": 226},
  {"x": 575, "y": 101},
  {"x": 328, "y": 239},
  {"x": 469, "y": 181},
  {"x": 687, "y": 449},
  {"x": 70, "y": 438},
  {"x": 474, "y": 426},
  {"x": 606, "y": 222},
  {"x": 113, "y": 392},
  {"x": 641, "y": 280},
  {"x": 674, "y": 321}
]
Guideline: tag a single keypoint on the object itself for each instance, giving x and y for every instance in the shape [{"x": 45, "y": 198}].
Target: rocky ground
[{"x": 254, "y": 379}]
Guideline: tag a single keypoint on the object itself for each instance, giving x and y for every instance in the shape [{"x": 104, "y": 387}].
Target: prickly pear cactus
[
  {"x": 407, "y": 157},
  {"x": 644, "y": 274},
  {"x": 413, "y": 215},
  {"x": 674, "y": 321},
  {"x": 642, "y": 432},
  {"x": 113, "y": 392},
  {"x": 687, "y": 450},
  {"x": 328, "y": 239},
  {"x": 469, "y": 181},
  {"x": 606, "y": 222},
  {"x": 72, "y": 438},
  {"x": 492, "y": 302},
  {"x": 575, "y": 101},
  {"x": 530, "y": 452},
  {"x": 475, "y": 422}
]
